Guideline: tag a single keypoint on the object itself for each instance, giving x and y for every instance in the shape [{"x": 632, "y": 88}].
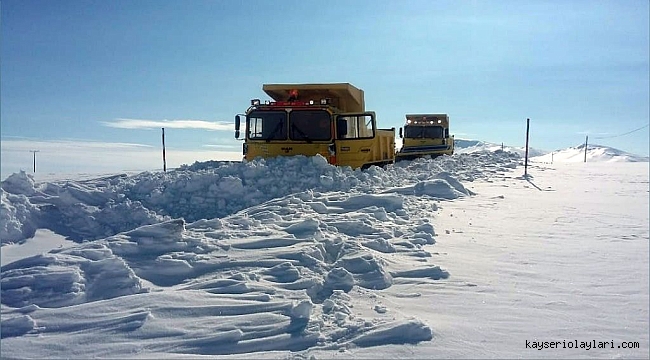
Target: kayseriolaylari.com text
[{"x": 584, "y": 345}]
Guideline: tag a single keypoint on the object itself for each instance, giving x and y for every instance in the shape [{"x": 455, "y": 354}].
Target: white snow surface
[
  {"x": 458, "y": 256},
  {"x": 464, "y": 146},
  {"x": 597, "y": 153}
]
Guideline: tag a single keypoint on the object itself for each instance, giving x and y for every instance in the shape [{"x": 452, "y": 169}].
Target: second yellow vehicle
[{"x": 425, "y": 135}]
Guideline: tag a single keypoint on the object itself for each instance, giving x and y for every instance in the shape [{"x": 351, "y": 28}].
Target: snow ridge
[
  {"x": 229, "y": 258},
  {"x": 96, "y": 208}
]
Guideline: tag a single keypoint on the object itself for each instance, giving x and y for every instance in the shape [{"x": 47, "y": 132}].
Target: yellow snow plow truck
[
  {"x": 425, "y": 134},
  {"x": 310, "y": 119}
]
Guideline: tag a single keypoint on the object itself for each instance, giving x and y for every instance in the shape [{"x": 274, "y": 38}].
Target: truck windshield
[
  {"x": 267, "y": 125},
  {"x": 310, "y": 125},
  {"x": 429, "y": 132}
]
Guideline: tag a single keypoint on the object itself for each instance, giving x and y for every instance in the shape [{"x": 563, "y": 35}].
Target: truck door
[{"x": 355, "y": 139}]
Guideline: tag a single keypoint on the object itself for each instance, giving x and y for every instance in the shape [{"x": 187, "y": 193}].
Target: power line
[{"x": 629, "y": 132}]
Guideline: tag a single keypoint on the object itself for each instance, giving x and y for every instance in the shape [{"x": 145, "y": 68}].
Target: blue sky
[{"x": 117, "y": 71}]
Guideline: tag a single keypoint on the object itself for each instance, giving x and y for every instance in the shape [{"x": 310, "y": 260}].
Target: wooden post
[
  {"x": 34, "y": 151},
  {"x": 586, "y": 141},
  {"x": 163, "y": 143},
  {"x": 526, "y": 161}
]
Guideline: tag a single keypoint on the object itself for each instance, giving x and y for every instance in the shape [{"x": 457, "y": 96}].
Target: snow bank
[
  {"x": 228, "y": 258},
  {"x": 96, "y": 208}
]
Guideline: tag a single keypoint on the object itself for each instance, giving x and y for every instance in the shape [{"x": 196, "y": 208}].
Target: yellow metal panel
[
  {"x": 346, "y": 97},
  {"x": 273, "y": 149}
]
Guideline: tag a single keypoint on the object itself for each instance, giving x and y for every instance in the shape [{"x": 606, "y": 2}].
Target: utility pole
[
  {"x": 586, "y": 141},
  {"x": 526, "y": 162},
  {"x": 163, "y": 143},
  {"x": 34, "y": 151}
]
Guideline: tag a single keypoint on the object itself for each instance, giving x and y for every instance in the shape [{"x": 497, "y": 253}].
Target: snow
[
  {"x": 458, "y": 256},
  {"x": 598, "y": 153},
  {"x": 43, "y": 241},
  {"x": 464, "y": 146}
]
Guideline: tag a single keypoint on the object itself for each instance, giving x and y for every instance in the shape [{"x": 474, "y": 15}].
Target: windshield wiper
[
  {"x": 275, "y": 131},
  {"x": 300, "y": 132}
]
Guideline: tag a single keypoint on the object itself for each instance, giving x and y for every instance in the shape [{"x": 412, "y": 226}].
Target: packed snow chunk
[
  {"x": 301, "y": 309},
  {"x": 401, "y": 332},
  {"x": 389, "y": 202},
  {"x": 90, "y": 250},
  {"x": 437, "y": 188},
  {"x": 19, "y": 183},
  {"x": 45, "y": 286},
  {"x": 425, "y": 228},
  {"x": 320, "y": 161},
  {"x": 16, "y": 326},
  {"x": 380, "y": 309},
  {"x": 73, "y": 192},
  {"x": 326, "y": 180},
  {"x": 422, "y": 234},
  {"x": 66, "y": 277},
  {"x": 168, "y": 265},
  {"x": 319, "y": 207},
  {"x": 109, "y": 278},
  {"x": 307, "y": 226},
  {"x": 422, "y": 238},
  {"x": 213, "y": 224},
  {"x": 285, "y": 272},
  {"x": 234, "y": 286},
  {"x": 433, "y": 272},
  {"x": 380, "y": 214},
  {"x": 360, "y": 263},
  {"x": 368, "y": 272},
  {"x": 337, "y": 302},
  {"x": 231, "y": 185},
  {"x": 151, "y": 240},
  {"x": 381, "y": 245},
  {"x": 339, "y": 279},
  {"x": 453, "y": 182},
  {"x": 17, "y": 218},
  {"x": 161, "y": 230}
]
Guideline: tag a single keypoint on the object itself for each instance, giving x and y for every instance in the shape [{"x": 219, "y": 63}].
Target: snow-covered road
[
  {"x": 560, "y": 258},
  {"x": 454, "y": 257}
]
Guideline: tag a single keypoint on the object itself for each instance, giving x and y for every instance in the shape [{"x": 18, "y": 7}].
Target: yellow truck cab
[
  {"x": 425, "y": 134},
  {"x": 310, "y": 119}
]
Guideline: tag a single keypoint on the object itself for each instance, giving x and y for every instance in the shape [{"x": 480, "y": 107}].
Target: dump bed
[{"x": 343, "y": 96}]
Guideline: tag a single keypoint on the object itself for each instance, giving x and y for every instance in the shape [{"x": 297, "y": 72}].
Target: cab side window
[
  {"x": 255, "y": 128},
  {"x": 355, "y": 126}
]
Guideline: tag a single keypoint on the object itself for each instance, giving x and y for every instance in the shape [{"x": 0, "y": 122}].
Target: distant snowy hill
[
  {"x": 463, "y": 146},
  {"x": 595, "y": 153}
]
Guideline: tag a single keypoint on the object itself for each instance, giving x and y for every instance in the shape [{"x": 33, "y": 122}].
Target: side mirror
[
  {"x": 237, "y": 126},
  {"x": 400, "y": 133}
]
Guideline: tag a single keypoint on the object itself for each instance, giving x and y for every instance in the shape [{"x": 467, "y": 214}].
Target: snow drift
[
  {"x": 243, "y": 257},
  {"x": 271, "y": 258}
]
